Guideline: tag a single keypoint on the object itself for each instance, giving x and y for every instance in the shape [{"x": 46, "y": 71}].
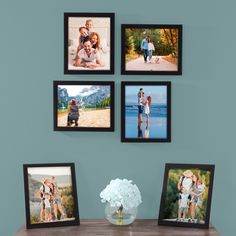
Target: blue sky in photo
[{"x": 157, "y": 92}]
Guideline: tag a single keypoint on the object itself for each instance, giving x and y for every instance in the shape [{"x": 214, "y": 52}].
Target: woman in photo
[
  {"x": 95, "y": 40},
  {"x": 147, "y": 109},
  {"x": 73, "y": 115},
  {"x": 197, "y": 191},
  {"x": 57, "y": 201},
  {"x": 151, "y": 50}
]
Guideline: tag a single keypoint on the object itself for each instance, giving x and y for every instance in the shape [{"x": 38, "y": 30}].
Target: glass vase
[{"x": 119, "y": 215}]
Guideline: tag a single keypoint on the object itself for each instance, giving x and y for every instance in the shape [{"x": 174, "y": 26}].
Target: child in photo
[
  {"x": 85, "y": 31},
  {"x": 200, "y": 190},
  {"x": 183, "y": 204},
  {"x": 83, "y": 36},
  {"x": 89, "y": 26}
]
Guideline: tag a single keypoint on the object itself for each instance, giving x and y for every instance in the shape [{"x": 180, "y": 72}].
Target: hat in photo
[{"x": 188, "y": 173}]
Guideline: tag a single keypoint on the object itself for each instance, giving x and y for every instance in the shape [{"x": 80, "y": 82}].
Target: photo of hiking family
[
  {"x": 89, "y": 43},
  {"x": 83, "y": 105},
  {"x": 146, "y": 111},
  {"x": 50, "y": 196},
  {"x": 187, "y": 197},
  {"x": 152, "y": 49}
]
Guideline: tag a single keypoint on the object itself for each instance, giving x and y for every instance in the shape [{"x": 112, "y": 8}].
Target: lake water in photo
[{"x": 157, "y": 122}]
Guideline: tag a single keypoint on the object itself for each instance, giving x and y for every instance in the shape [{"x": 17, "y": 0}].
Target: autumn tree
[{"x": 169, "y": 37}]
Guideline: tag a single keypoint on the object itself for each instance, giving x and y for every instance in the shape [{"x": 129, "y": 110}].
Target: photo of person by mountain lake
[
  {"x": 152, "y": 49},
  {"x": 186, "y": 195},
  {"x": 51, "y": 194},
  {"x": 83, "y": 105},
  {"x": 145, "y": 111}
]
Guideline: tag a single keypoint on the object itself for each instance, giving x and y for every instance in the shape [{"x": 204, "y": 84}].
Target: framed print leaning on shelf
[
  {"x": 83, "y": 105},
  {"x": 50, "y": 195},
  {"x": 89, "y": 43},
  {"x": 186, "y": 195},
  {"x": 151, "y": 49},
  {"x": 145, "y": 111}
]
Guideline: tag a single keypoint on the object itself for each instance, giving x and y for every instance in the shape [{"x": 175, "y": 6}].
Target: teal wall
[{"x": 203, "y": 105}]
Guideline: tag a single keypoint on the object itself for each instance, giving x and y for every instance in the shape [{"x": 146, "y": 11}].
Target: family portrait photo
[
  {"x": 89, "y": 43},
  {"x": 83, "y": 105},
  {"x": 186, "y": 195},
  {"x": 146, "y": 111},
  {"x": 151, "y": 49},
  {"x": 51, "y": 198}
]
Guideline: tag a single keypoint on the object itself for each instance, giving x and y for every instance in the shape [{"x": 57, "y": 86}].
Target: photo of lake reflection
[{"x": 146, "y": 111}]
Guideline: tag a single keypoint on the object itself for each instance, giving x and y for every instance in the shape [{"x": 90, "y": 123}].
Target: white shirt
[
  {"x": 91, "y": 58},
  {"x": 151, "y": 47},
  {"x": 147, "y": 109},
  {"x": 187, "y": 183},
  {"x": 46, "y": 189},
  {"x": 140, "y": 101},
  {"x": 200, "y": 188}
]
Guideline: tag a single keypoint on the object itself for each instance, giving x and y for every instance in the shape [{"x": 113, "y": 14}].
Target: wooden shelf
[{"x": 104, "y": 228}]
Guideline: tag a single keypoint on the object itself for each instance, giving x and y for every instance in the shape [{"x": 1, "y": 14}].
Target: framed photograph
[
  {"x": 50, "y": 195},
  {"x": 83, "y": 105},
  {"x": 89, "y": 43},
  {"x": 145, "y": 111},
  {"x": 151, "y": 49},
  {"x": 186, "y": 195}
]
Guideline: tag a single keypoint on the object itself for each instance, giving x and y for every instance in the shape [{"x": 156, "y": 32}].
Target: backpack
[{"x": 182, "y": 179}]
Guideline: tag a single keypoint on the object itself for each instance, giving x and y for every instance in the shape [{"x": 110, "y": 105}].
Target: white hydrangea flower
[{"x": 121, "y": 193}]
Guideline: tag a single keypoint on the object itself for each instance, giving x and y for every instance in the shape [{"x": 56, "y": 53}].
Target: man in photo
[
  {"x": 141, "y": 104},
  {"x": 88, "y": 57},
  {"x": 144, "y": 47}
]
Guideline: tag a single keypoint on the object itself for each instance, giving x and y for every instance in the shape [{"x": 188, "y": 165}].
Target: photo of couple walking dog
[{"x": 151, "y": 49}]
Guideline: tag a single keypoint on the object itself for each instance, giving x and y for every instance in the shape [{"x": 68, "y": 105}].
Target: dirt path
[{"x": 157, "y": 64}]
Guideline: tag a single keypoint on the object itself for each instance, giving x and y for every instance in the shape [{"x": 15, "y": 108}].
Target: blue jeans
[{"x": 145, "y": 54}]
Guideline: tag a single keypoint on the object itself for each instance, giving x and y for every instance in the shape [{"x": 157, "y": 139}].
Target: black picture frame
[
  {"x": 33, "y": 175},
  {"x": 161, "y": 64},
  {"x": 132, "y": 130},
  {"x": 102, "y": 120},
  {"x": 72, "y": 22},
  {"x": 200, "y": 216}
]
